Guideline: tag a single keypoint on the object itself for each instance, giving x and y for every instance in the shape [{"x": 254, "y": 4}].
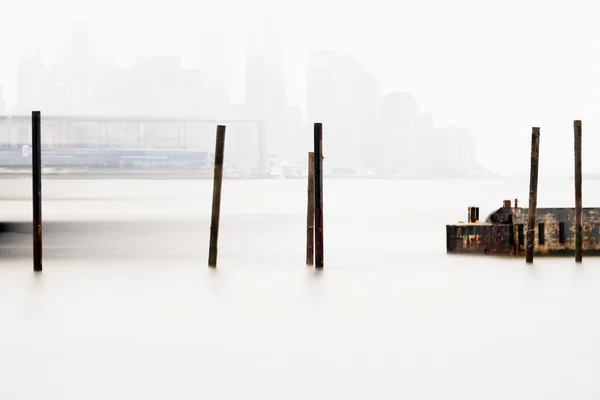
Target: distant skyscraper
[
  {"x": 265, "y": 81},
  {"x": 76, "y": 69},
  {"x": 5, "y": 136},
  {"x": 466, "y": 150},
  {"x": 321, "y": 86},
  {"x": 3, "y": 109},
  {"x": 299, "y": 140},
  {"x": 344, "y": 97},
  {"x": 31, "y": 84},
  {"x": 400, "y": 123},
  {"x": 214, "y": 61},
  {"x": 266, "y": 40}
]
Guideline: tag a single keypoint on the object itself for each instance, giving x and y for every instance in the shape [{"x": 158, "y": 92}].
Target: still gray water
[{"x": 132, "y": 311}]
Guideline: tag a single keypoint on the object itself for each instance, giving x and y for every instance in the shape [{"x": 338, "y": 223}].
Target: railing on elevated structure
[{"x": 139, "y": 132}]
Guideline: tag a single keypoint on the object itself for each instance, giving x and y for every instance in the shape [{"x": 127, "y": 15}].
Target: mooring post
[
  {"x": 578, "y": 209},
  {"x": 318, "y": 162},
  {"x": 216, "y": 201},
  {"x": 533, "y": 183},
  {"x": 36, "y": 174},
  {"x": 310, "y": 211}
]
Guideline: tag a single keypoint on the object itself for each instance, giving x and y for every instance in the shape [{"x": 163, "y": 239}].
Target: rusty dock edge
[{"x": 503, "y": 232}]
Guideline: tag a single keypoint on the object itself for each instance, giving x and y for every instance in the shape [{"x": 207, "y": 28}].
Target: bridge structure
[{"x": 115, "y": 140}]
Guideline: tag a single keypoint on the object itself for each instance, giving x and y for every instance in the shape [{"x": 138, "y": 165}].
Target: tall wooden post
[
  {"x": 533, "y": 183},
  {"x": 578, "y": 208},
  {"x": 216, "y": 201},
  {"x": 318, "y": 162},
  {"x": 36, "y": 174},
  {"x": 310, "y": 211}
]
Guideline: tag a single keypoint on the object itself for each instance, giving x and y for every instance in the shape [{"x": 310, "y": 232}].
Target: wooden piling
[
  {"x": 36, "y": 174},
  {"x": 310, "y": 211},
  {"x": 578, "y": 208},
  {"x": 216, "y": 201},
  {"x": 318, "y": 166},
  {"x": 533, "y": 183}
]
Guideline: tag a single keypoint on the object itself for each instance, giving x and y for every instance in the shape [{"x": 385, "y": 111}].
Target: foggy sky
[{"x": 497, "y": 68}]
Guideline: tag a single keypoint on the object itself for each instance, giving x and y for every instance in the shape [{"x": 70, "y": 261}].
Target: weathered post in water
[
  {"x": 310, "y": 211},
  {"x": 578, "y": 209},
  {"x": 216, "y": 201},
  {"x": 318, "y": 162},
  {"x": 36, "y": 175},
  {"x": 533, "y": 183}
]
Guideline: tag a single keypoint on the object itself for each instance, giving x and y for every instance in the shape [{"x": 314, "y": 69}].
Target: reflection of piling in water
[
  {"x": 216, "y": 202},
  {"x": 578, "y": 209},
  {"x": 310, "y": 211},
  {"x": 533, "y": 183},
  {"x": 36, "y": 175}
]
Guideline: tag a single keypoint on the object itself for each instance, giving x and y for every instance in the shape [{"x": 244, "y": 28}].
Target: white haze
[
  {"x": 495, "y": 68},
  {"x": 126, "y": 306}
]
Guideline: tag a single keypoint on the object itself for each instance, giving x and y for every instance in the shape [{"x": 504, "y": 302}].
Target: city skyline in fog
[
  {"x": 384, "y": 133},
  {"x": 495, "y": 77}
]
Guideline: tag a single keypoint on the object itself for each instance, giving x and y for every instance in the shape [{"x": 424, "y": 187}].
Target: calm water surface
[{"x": 130, "y": 310}]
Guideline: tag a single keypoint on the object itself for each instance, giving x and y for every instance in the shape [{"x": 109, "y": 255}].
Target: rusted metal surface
[
  {"x": 479, "y": 238},
  {"x": 473, "y": 214},
  {"x": 502, "y": 233}
]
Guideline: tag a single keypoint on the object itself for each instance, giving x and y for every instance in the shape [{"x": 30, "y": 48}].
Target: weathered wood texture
[
  {"x": 318, "y": 162},
  {"x": 533, "y": 183},
  {"x": 578, "y": 210},
  {"x": 36, "y": 174},
  {"x": 310, "y": 211},
  {"x": 216, "y": 200}
]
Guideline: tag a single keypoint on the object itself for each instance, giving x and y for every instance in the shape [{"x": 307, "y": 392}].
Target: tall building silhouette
[
  {"x": 360, "y": 128},
  {"x": 31, "y": 84},
  {"x": 5, "y": 129},
  {"x": 345, "y": 98},
  {"x": 214, "y": 63},
  {"x": 265, "y": 80},
  {"x": 299, "y": 139},
  {"x": 400, "y": 126},
  {"x": 321, "y": 87},
  {"x": 3, "y": 108},
  {"x": 76, "y": 69}
]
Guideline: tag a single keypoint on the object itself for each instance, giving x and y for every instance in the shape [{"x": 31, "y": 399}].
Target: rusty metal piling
[
  {"x": 578, "y": 208},
  {"x": 36, "y": 174},
  {"x": 216, "y": 201},
  {"x": 533, "y": 183},
  {"x": 310, "y": 211},
  {"x": 318, "y": 166}
]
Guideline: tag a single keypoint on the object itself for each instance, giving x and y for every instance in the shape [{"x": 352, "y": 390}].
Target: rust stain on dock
[{"x": 504, "y": 232}]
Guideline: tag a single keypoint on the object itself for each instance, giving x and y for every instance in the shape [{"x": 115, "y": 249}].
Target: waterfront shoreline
[{"x": 197, "y": 175}]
